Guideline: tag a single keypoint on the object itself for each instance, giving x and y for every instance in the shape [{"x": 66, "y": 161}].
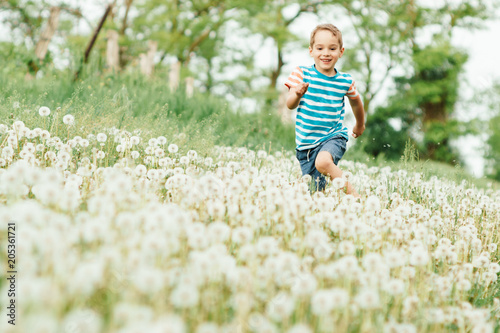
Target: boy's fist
[
  {"x": 357, "y": 130},
  {"x": 301, "y": 88}
]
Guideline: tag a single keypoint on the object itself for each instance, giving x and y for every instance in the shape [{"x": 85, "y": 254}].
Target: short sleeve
[
  {"x": 295, "y": 78},
  {"x": 352, "y": 92}
]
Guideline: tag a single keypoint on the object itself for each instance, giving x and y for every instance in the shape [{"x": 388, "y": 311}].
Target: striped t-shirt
[{"x": 321, "y": 110}]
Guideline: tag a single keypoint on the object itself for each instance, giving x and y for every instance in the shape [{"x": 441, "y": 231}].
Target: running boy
[{"x": 318, "y": 91}]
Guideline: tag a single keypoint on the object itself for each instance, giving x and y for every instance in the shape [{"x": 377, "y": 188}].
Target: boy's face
[{"x": 325, "y": 52}]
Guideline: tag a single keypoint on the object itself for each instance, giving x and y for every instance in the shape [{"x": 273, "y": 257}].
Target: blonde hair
[{"x": 329, "y": 27}]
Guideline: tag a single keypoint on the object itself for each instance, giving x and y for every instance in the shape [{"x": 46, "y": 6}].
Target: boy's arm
[
  {"x": 359, "y": 114},
  {"x": 295, "y": 94}
]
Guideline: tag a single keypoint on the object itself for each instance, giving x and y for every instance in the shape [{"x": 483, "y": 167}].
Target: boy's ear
[
  {"x": 310, "y": 50},
  {"x": 341, "y": 52}
]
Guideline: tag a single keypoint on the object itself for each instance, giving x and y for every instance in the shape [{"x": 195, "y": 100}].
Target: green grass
[{"x": 131, "y": 101}]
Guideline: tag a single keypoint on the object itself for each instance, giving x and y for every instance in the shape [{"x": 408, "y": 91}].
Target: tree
[
  {"x": 180, "y": 27},
  {"x": 492, "y": 155},
  {"x": 384, "y": 31},
  {"x": 424, "y": 104},
  {"x": 425, "y": 96},
  {"x": 25, "y": 20},
  {"x": 266, "y": 18}
]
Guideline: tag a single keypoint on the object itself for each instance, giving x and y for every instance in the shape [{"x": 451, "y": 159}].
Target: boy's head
[
  {"x": 329, "y": 27},
  {"x": 326, "y": 48}
]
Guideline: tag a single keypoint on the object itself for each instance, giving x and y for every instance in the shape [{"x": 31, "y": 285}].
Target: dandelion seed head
[
  {"x": 18, "y": 125},
  {"x": 367, "y": 299},
  {"x": 101, "y": 137},
  {"x": 82, "y": 320},
  {"x": 304, "y": 285},
  {"x": 300, "y": 328},
  {"x": 185, "y": 296},
  {"x": 3, "y": 129},
  {"x": 173, "y": 148},
  {"x": 208, "y": 327},
  {"x": 44, "y": 111},
  {"x": 69, "y": 119}
]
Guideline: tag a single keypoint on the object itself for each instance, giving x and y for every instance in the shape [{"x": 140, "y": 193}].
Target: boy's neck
[{"x": 334, "y": 72}]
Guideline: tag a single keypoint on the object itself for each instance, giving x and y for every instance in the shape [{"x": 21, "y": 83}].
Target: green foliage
[
  {"x": 493, "y": 154},
  {"x": 491, "y": 98},
  {"x": 381, "y": 138},
  {"x": 24, "y": 17},
  {"x": 14, "y": 57},
  {"x": 426, "y": 95},
  {"x": 436, "y": 76},
  {"x": 423, "y": 104},
  {"x": 179, "y": 27},
  {"x": 383, "y": 31}
]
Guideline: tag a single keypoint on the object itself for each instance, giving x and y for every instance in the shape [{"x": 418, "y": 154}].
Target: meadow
[{"x": 143, "y": 211}]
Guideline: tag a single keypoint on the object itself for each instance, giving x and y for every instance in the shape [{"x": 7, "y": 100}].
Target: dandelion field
[{"x": 120, "y": 231}]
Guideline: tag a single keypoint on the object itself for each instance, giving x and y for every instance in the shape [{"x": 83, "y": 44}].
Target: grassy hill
[{"x": 133, "y": 102}]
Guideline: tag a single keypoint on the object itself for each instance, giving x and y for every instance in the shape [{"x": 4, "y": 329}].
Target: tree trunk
[
  {"x": 270, "y": 96},
  {"x": 276, "y": 73},
  {"x": 93, "y": 39},
  {"x": 435, "y": 111},
  {"x": 189, "y": 86},
  {"x": 46, "y": 36},
  {"x": 174, "y": 76},
  {"x": 147, "y": 61},
  {"x": 128, "y": 3},
  {"x": 283, "y": 110},
  {"x": 122, "y": 51},
  {"x": 366, "y": 104},
  {"x": 112, "y": 51},
  {"x": 96, "y": 33},
  {"x": 210, "y": 81},
  {"x": 435, "y": 114}
]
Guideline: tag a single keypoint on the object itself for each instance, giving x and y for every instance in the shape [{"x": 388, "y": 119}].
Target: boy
[{"x": 318, "y": 91}]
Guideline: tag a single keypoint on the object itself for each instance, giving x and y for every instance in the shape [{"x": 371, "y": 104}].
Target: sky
[{"x": 481, "y": 70}]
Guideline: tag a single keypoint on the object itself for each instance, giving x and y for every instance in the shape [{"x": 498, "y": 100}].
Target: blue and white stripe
[{"x": 321, "y": 110}]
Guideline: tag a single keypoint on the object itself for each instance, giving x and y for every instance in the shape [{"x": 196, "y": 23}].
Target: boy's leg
[
  {"x": 324, "y": 164},
  {"x": 306, "y": 159}
]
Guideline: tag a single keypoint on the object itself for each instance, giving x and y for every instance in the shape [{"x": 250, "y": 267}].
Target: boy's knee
[{"x": 323, "y": 162}]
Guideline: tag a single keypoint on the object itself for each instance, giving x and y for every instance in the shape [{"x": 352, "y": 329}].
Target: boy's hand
[
  {"x": 301, "y": 88},
  {"x": 295, "y": 94},
  {"x": 357, "y": 130}
]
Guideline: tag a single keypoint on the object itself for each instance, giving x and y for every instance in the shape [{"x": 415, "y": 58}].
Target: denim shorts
[{"x": 336, "y": 146}]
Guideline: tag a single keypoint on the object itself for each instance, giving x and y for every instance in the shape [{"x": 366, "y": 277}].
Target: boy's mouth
[{"x": 326, "y": 61}]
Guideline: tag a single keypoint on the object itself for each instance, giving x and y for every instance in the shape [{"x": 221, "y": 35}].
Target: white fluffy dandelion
[
  {"x": 135, "y": 140},
  {"x": 304, "y": 284},
  {"x": 140, "y": 170},
  {"x": 69, "y": 119},
  {"x": 322, "y": 302},
  {"x": 135, "y": 154},
  {"x": 368, "y": 299},
  {"x": 300, "y": 328},
  {"x": 373, "y": 203},
  {"x": 101, "y": 137},
  {"x": 173, "y": 148},
  {"x": 44, "y": 111},
  {"x": 419, "y": 257},
  {"x": 280, "y": 307},
  {"x": 185, "y": 296},
  {"x": 338, "y": 183}
]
